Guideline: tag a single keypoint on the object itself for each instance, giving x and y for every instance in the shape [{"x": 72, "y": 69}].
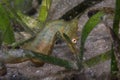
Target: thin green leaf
[
  {"x": 116, "y": 17},
  {"x": 5, "y": 26},
  {"x": 115, "y": 65},
  {"x": 91, "y": 23},
  {"x": 67, "y": 64},
  {"x": 55, "y": 61},
  {"x": 97, "y": 59},
  {"x": 13, "y": 14},
  {"x": 44, "y": 10}
]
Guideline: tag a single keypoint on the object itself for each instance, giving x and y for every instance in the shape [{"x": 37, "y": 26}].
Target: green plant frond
[
  {"x": 5, "y": 26},
  {"x": 12, "y": 13},
  {"x": 44, "y": 10},
  {"x": 115, "y": 65},
  {"x": 89, "y": 26},
  {"x": 55, "y": 61},
  {"x": 97, "y": 59}
]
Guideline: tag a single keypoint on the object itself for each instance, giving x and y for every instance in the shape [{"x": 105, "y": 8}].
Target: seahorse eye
[{"x": 74, "y": 40}]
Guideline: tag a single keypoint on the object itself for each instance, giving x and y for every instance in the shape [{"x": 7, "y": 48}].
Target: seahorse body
[{"x": 45, "y": 40}]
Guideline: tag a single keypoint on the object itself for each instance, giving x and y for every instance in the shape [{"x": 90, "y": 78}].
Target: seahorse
[{"x": 45, "y": 39}]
